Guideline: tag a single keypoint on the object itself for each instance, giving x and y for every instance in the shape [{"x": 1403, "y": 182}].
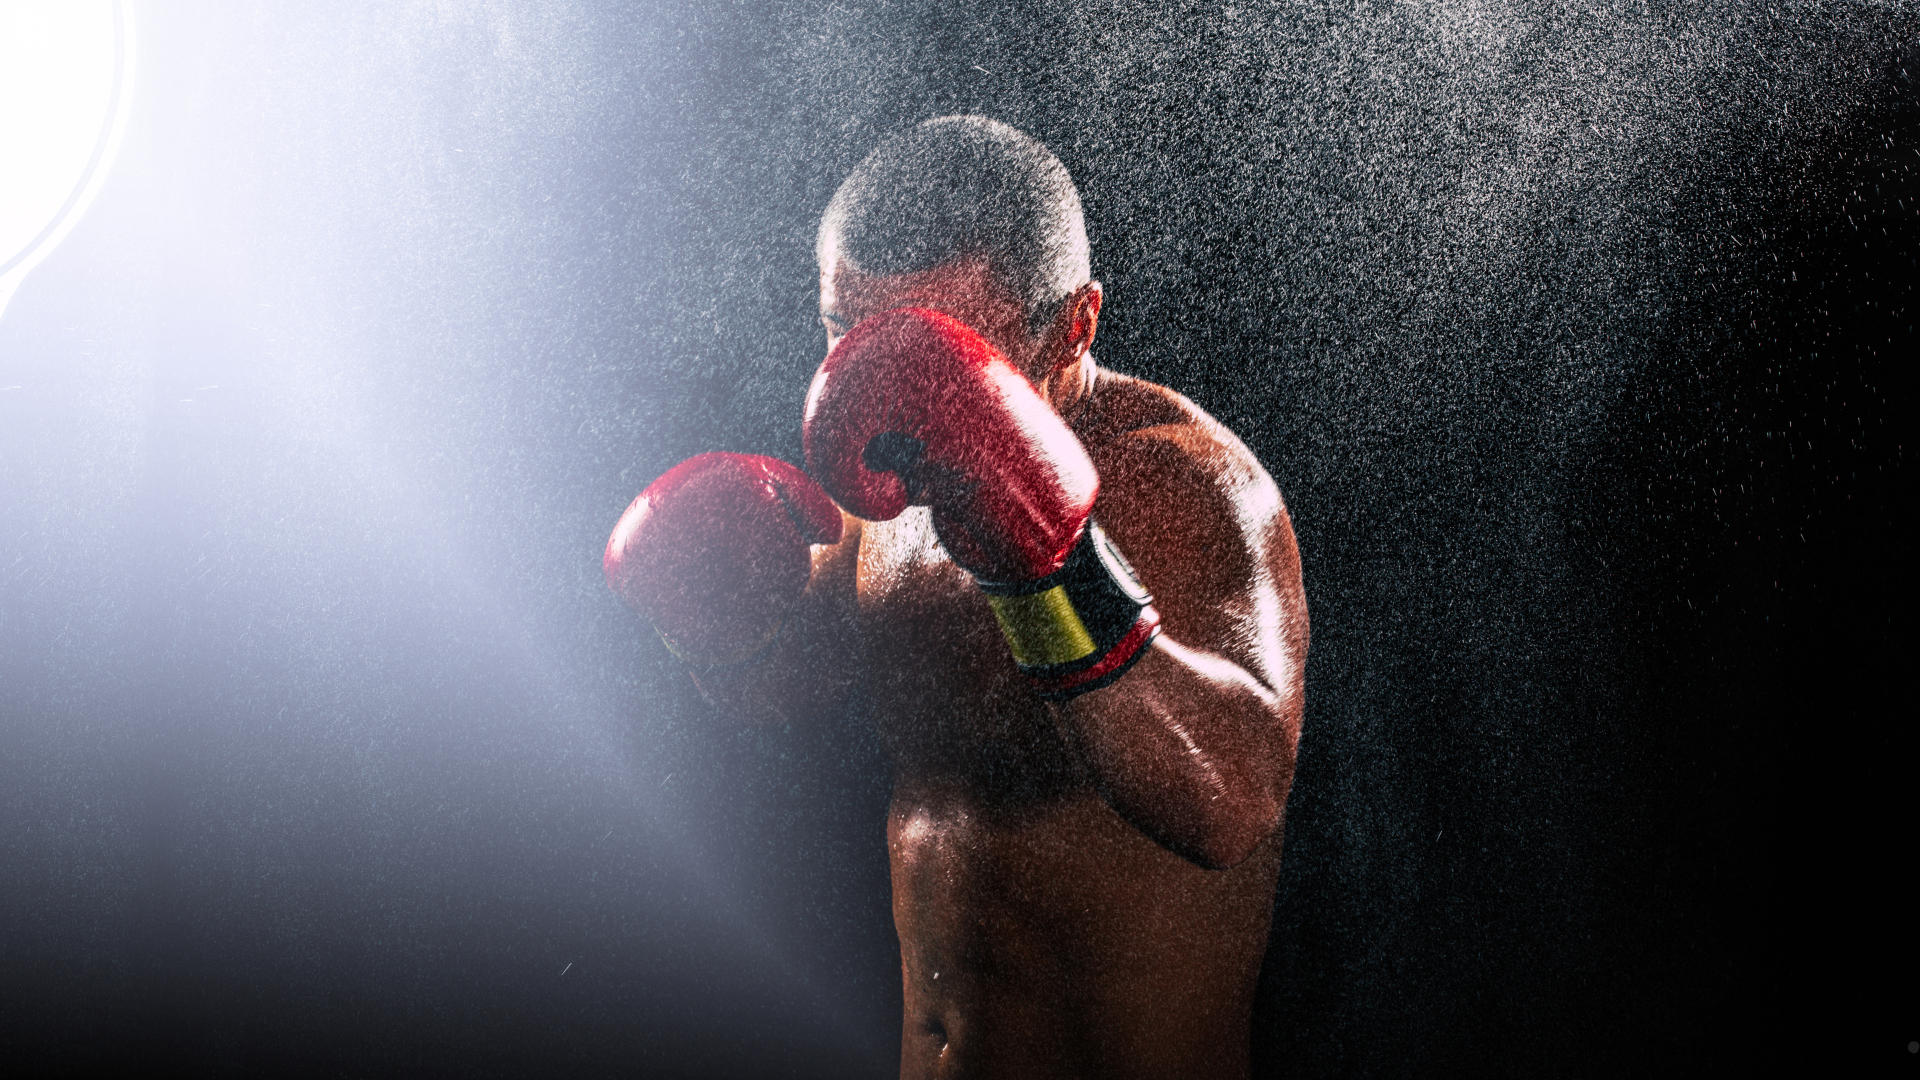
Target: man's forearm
[
  {"x": 805, "y": 672},
  {"x": 811, "y": 664},
  {"x": 1191, "y": 749}
]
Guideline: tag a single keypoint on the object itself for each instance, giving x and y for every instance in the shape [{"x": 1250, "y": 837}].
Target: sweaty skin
[{"x": 1081, "y": 889}]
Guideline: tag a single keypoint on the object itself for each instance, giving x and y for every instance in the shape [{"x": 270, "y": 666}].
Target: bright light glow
[{"x": 66, "y": 76}]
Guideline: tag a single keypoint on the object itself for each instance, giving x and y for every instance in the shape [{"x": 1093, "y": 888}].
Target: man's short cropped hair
[{"x": 965, "y": 185}]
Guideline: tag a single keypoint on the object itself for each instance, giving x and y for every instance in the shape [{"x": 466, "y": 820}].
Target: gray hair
[{"x": 965, "y": 185}]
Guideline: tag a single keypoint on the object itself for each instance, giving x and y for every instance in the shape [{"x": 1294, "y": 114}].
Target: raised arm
[
  {"x": 1195, "y": 745},
  {"x": 1190, "y": 734}
]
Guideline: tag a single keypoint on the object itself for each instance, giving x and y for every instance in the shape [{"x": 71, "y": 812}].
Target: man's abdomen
[{"x": 1054, "y": 939}]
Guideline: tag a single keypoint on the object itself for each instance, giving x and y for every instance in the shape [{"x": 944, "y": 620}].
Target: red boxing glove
[
  {"x": 913, "y": 407},
  {"x": 715, "y": 553}
]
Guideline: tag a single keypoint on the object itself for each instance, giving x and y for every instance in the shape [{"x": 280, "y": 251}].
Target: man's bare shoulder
[
  {"x": 1204, "y": 524},
  {"x": 1142, "y": 433}
]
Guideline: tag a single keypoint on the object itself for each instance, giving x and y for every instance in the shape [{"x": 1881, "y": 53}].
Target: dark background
[{"x": 1577, "y": 337}]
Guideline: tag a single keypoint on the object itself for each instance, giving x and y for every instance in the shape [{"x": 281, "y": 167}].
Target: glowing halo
[{"x": 66, "y": 80}]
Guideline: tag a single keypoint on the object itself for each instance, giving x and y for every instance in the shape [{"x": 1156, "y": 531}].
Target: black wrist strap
[{"x": 1080, "y": 627}]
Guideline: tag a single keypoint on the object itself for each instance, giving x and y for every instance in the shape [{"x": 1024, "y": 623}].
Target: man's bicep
[{"x": 1197, "y": 518}]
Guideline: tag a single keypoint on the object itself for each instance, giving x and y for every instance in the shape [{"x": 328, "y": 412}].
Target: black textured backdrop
[{"x": 1576, "y": 335}]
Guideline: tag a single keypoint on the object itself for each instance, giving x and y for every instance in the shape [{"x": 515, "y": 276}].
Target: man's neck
[{"x": 1071, "y": 391}]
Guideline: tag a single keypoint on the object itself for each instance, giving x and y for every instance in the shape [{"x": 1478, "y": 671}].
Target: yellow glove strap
[{"x": 1042, "y": 628}]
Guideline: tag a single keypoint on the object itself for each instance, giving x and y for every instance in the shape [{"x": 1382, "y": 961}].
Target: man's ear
[
  {"x": 1069, "y": 369},
  {"x": 1074, "y": 325},
  {"x": 1083, "y": 309}
]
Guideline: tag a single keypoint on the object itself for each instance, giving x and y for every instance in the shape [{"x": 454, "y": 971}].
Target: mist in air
[{"x": 1568, "y": 333}]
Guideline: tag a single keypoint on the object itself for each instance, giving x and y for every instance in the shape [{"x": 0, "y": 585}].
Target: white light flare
[{"x": 66, "y": 78}]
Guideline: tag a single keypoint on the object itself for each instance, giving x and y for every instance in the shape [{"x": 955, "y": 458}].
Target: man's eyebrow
[{"x": 834, "y": 317}]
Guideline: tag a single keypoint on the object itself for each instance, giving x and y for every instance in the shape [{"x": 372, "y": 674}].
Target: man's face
[{"x": 963, "y": 288}]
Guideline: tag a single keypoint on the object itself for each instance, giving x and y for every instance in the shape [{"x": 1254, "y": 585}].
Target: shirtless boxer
[{"x": 1088, "y": 787}]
